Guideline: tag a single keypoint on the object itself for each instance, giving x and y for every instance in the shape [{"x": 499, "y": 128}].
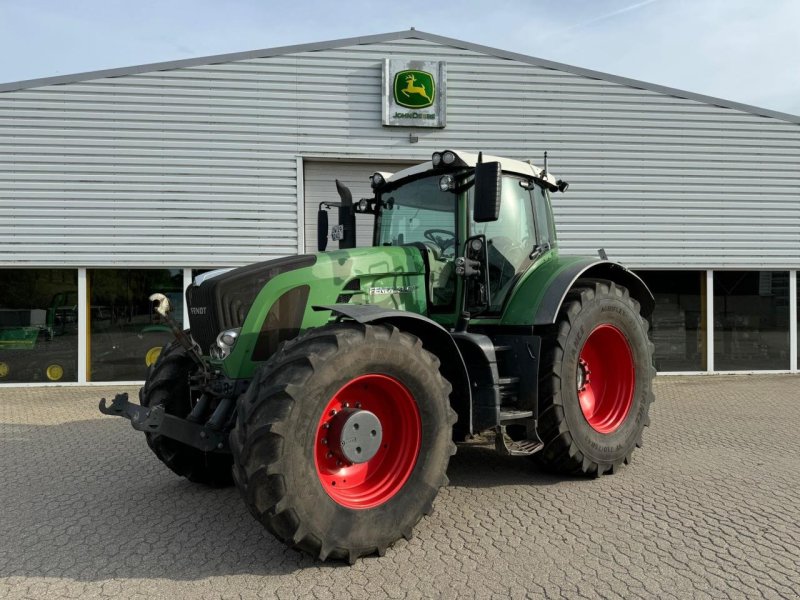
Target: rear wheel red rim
[
  {"x": 371, "y": 483},
  {"x": 605, "y": 378}
]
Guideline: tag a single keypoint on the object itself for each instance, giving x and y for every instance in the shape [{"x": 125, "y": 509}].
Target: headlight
[
  {"x": 448, "y": 157},
  {"x": 225, "y": 343},
  {"x": 436, "y": 159}
]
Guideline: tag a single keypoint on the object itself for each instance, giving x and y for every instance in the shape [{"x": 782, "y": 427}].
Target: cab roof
[{"x": 470, "y": 159}]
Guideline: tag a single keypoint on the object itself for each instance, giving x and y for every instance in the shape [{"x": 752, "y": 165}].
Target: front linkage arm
[{"x": 154, "y": 420}]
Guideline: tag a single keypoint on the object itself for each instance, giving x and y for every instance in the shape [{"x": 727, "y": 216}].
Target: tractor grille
[
  {"x": 203, "y": 318},
  {"x": 222, "y": 302}
]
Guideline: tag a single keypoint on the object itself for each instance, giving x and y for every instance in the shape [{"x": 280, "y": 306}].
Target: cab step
[
  {"x": 514, "y": 414},
  {"x": 505, "y": 445}
]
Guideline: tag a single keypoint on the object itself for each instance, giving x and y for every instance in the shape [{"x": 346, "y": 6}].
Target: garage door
[{"x": 320, "y": 177}]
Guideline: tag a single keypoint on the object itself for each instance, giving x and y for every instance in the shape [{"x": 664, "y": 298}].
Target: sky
[{"x": 741, "y": 50}]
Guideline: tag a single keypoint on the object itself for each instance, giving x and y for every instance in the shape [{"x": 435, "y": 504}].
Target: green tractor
[{"x": 332, "y": 387}]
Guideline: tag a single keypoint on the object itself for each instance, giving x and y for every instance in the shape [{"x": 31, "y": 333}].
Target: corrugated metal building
[{"x": 114, "y": 183}]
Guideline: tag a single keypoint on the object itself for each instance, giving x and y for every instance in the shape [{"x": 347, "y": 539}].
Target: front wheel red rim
[
  {"x": 361, "y": 485},
  {"x": 606, "y": 378}
]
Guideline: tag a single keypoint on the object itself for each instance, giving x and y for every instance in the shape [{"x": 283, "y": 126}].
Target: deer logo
[{"x": 414, "y": 89}]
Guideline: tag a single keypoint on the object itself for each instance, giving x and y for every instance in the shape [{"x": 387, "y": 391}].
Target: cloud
[{"x": 604, "y": 17}]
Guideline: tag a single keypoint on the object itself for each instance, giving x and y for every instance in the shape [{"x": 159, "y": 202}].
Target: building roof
[{"x": 387, "y": 37}]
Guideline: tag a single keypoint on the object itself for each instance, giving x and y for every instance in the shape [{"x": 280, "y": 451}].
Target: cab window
[
  {"x": 544, "y": 217},
  {"x": 418, "y": 212},
  {"x": 510, "y": 239}
]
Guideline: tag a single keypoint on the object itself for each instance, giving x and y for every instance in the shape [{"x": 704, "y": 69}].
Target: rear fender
[
  {"x": 563, "y": 282},
  {"x": 435, "y": 338}
]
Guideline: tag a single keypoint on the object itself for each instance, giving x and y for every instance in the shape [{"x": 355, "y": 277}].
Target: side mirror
[
  {"x": 487, "y": 192},
  {"x": 322, "y": 229}
]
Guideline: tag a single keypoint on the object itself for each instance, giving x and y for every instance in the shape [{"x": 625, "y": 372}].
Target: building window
[
  {"x": 751, "y": 320},
  {"x": 38, "y": 325},
  {"x": 125, "y": 335},
  {"x": 679, "y": 321}
]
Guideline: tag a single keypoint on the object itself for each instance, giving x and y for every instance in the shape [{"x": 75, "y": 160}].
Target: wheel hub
[
  {"x": 583, "y": 375},
  {"x": 367, "y": 441},
  {"x": 357, "y": 434},
  {"x": 606, "y": 395}
]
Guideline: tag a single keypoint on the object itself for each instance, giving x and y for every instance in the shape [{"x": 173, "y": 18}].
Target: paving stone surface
[{"x": 710, "y": 508}]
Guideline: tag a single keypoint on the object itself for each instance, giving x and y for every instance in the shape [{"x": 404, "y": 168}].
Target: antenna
[
  {"x": 480, "y": 157},
  {"x": 545, "y": 162}
]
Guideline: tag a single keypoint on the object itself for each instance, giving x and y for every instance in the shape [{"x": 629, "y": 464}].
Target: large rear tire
[
  {"x": 305, "y": 469},
  {"x": 168, "y": 384},
  {"x": 596, "y": 381}
]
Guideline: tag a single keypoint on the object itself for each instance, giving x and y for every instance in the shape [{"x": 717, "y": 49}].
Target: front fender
[{"x": 435, "y": 338}]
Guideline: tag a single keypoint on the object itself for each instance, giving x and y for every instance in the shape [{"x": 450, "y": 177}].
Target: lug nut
[
  {"x": 338, "y": 463},
  {"x": 329, "y": 455},
  {"x": 326, "y": 426},
  {"x": 324, "y": 441},
  {"x": 333, "y": 412}
]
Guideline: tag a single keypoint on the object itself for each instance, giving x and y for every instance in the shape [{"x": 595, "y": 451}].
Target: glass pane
[
  {"x": 419, "y": 212},
  {"x": 679, "y": 321},
  {"x": 510, "y": 238},
  {"x": 543, "y": 216},
  {"x": 38, "y": 325},
  {"x": 751, "y": 320},
  {"x": 125, "y": 335}
]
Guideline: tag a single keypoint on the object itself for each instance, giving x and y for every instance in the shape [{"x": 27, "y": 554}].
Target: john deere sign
[{"x": 414, "y": 93}]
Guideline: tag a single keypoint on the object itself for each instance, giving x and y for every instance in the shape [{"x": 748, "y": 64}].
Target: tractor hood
[
  {"x": 273, "y": 301},
  {"x": 220, "y": 300}
]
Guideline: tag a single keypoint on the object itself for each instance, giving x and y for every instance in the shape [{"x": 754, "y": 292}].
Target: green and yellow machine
[{"x": 332, "y": 388}]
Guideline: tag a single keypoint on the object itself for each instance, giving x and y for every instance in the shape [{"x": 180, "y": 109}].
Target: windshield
[{"x": 419, "y": 211}]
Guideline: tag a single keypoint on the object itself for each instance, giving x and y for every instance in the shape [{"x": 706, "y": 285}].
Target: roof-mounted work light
[
  {"x": 448, "y": 158},
  {"x": 377, "y": 180}
]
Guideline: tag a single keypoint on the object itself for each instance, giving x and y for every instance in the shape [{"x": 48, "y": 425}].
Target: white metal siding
[
  {"x": 320, "y": 186},
  {"x": 197, "y": 166}
]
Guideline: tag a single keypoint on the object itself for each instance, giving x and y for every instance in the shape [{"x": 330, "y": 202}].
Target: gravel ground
[{"x": 710, "y": 508}]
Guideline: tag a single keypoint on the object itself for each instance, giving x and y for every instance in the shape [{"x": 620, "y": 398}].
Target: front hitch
[{"x": 156, "y": 421}]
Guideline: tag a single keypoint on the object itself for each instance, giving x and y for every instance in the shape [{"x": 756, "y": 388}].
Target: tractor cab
[{"x": 469, "y": 214}]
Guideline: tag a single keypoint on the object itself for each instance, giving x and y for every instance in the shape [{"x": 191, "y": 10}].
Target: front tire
[
  {"x": 596, "y": 381},
  {"x": 305, "y": 469},
  {"x": 168, "y": 384}
]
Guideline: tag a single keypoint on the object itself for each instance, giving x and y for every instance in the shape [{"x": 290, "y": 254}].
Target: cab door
[{"x": 511, "y": 239}]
